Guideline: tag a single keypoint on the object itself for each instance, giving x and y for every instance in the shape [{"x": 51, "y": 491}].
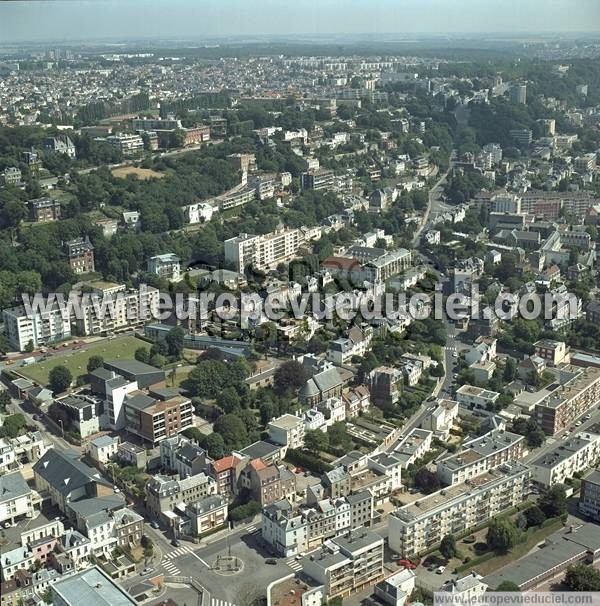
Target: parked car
[
  {"x": 175, "y": 543},
  {"x": 440, "y": 570},
  {"x": 146, "y": 572},
  {"x": 154, "y": 524},
  {"x": 407, "y": 564},
  {"x": 271, "y": 561}
]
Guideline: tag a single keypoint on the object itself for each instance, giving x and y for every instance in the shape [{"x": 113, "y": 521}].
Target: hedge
[{"x": 304, "y": 459}]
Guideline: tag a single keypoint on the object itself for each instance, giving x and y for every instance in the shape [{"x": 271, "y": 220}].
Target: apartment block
[
  {"x": 167, "y": 266},
  {"x": 157, "y": 415},
  {"x": 568, "y": 401},
  {"x": 318, "y": 179},
  {"x": 39, "y": 329},
  {"x": 263, "y": 252},
  {"x": 421, "y": 525},
  {"x": 589, "y": 496},
  {"x": 121, "y": 308},
  {"x": 346, "y": 563},
  {"x": 480, "y": 455},
  {"x": 567, "y": 457},
  {"x": 128, "y": 144}
]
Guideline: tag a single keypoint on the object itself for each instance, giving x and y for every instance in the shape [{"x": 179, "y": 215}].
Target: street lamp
[{"x": 62, "y": 427}]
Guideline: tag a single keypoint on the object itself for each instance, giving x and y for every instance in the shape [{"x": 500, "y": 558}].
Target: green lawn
[{"x": 76, "y": 362}]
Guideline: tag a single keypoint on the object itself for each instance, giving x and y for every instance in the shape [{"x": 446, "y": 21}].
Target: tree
[
  {"x": 232, "y": 430},
  {"x": 215, "y": 446},
  {"x": 580, "y": 577},
  {"x": 338, "y": 436},
  {"x": 94, "y": 362},
  {"x": 174, "y": 341},
  {"x": 229, "y": 400},
  {"x": 502, "y": 534},
  {"x": 553, "y": 501},
  {"x": 59, "y": 379},
  {"x": 534, "y": 516},
  {"x": 141, "y": 355},
  {"x": 289, "y": 376},
  {"x": 508, "y": 586},
  {"x": 4, "y": 400},
  {"x": 510, "y": 370},
  {"x": 426, "y": 480},
  {"x": 13, "y": 425},
  {"x": 315, "y": 441},
  {"x": 448, "y": 546}
]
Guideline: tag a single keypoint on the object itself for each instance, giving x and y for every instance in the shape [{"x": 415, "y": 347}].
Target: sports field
[{"x": 76, "y": 361}]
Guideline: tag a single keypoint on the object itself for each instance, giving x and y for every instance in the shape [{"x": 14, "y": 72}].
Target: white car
[{"x": 440, "y": 570}]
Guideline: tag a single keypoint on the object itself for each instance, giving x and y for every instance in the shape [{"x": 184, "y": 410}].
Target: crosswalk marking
[
  {"x": 251, "y": 529},
  {"x": 217, "y": 602},
  {"x": 171, "y": 568},
  {"x": 294, "y": 564},
  {"x": 177, "y": 552}
]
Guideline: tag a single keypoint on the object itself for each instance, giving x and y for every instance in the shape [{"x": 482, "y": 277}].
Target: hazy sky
[{"x": 100, "y": 19}]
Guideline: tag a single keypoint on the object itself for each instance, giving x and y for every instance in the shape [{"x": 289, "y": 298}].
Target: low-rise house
[
  {"x": 164, "y": 493},
  {"x": 132, "y": 454},
  {"x": 355, "y": 344},
  {"x": 441, "y": 419},
  {"x": 183, "y": 456},
  {"x": 226, "y": 472},
  {"x": 476, "y": 398},
  {"x": 287, "y": 431},
  {"x": 268, "y": 483},
  {"x": 104, "y": 448},
  {"x": 553, "y": 352},
  {"x": 469, "y": 587},
  {"x": 204, "y": 515},
  {"x": 414, "y": 446},
  {"x": 83, "y": 413},
  {"x": 397, "y": 588},
  {"x": 357, "y": 400},
  {"x": 21, "y": 450},
  {"x": 128, "y": 527}
]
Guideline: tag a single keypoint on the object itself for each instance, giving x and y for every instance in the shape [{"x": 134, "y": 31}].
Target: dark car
[
  {"x": 175, "y": 543},
  {"x": 154, "y": 524},
  {"x": 271, "y": 561}
]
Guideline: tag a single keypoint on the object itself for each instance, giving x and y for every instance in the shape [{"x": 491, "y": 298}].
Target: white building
[
  {"x": 38, "y": 329},
  {"x": 346, "y": 563},
  {"x": 14, "y": 452},
  {"x": 122, "y": 308},
  {"x": 167, "y": 266},
  {"x": 476, "y": 398},
  {"x": 287, "y": 430},
  {"x": 414, "y": 446},
  {"x": 199, "y": 212},
  {"x": 266, "y": 251},
  {"x": 16, "y": 498},
  {"x": 441, "y": 419},
  {"x": 568, "y": 456},
  {"x": 396, "y": 589},
  {"x": 421, "y": 525},
  {"x": 127, "y": 143},
  {"x": 467, "y": 588},
  {"x": 480, "y": 455},
  {"x": 104, "y": 448}
]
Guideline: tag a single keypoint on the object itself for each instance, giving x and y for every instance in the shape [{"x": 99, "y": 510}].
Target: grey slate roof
[
  {"x": 13, "y": 486},
  {"x": 63, "y": 470}
]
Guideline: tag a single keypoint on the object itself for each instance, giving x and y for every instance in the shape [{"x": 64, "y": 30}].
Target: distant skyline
[{"x": 74, "y": 20}]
